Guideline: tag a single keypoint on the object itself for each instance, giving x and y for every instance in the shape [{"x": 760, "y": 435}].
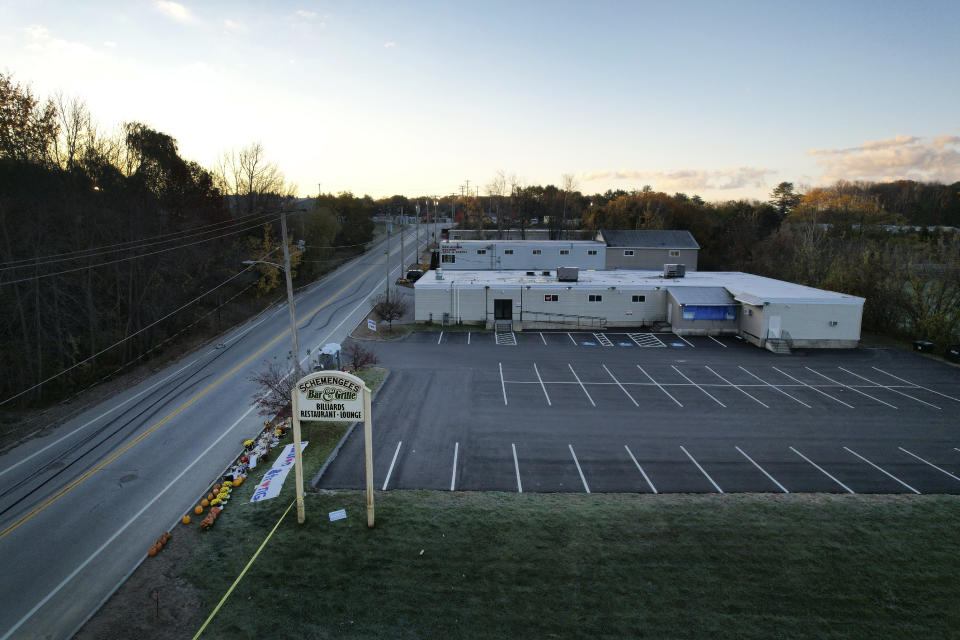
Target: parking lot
[{"x": 460, "y": 412}]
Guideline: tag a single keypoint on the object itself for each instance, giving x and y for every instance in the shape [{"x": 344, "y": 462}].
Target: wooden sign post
[{"x": 332, "y": 396}]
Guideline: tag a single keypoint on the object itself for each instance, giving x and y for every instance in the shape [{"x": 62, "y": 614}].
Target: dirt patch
[{"x": 155, "y": 602}]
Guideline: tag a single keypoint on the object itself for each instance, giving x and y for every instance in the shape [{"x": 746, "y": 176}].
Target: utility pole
[
  {"x": 402, "y": 268},
  {"x": 386, "y": 282},
  {"x": 293, "y": 315},
  {"x": 418, "y": 234}
]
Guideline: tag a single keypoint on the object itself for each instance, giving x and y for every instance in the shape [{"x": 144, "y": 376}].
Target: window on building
[
  {"x": 638, "y": 299},
  {"x": 448, "y": 257},
  {"x": 531, "y": 273},
  {"x": 544, "y": 273},
  {"x": 592, "y": 252},
  {"x": 481, "y": 252},
  {"x": 628, "y": 252},
  {"x": 564, "y": 252},
  {"x": 674, "y": 253},
  {"x": 537, "y": 252},
  {"x": 508, "y": 252},
  {"x": 595, "y": 297},
  {"x": 551, "y": 297}
]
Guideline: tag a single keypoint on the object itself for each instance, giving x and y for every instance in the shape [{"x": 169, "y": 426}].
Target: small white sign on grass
[
  {"x": 338, "y": 515},
  {"x": 371, "y": 325}
]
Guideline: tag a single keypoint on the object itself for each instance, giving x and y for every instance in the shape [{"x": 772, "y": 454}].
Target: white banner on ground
[{"x": 272, "y": 481}]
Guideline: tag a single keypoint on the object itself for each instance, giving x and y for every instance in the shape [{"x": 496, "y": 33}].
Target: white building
[
  {"x": 764, "y": 311},
  {"x": 535, "y": 255}
]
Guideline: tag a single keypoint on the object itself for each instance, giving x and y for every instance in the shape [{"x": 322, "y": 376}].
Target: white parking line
[
  {"x": 735, "y": 386},
  {"x": 698, "y": 387},
  {"x": 906, "y": 395},
  {"x": 542, "y": 386},
  {"x": 503, "y": 384},
  {"x": 659, "y": 385},
  {"x": 642, "y": 472},
  {"x": 702, "y": 470},
  {"x": 542, "y": 338},
  {"x": 814, "y": 388},
  {"x": 453, "y": 476},
  {"x": 764, "y": 471},
  {"x": 577, "y": 462},
  {"x": 718, "y": 342},
  {"x": 386, "y": 481},
  {"x": 882, "y": 470},
  {"x": 849, "y": 490},
  {"x": 917, "y": 385},
  {"x": 685, "y": 340},
  {"x": 775, "y": 388},
  {"x": 440, "y": 338},
  {"x": 572, "y": 340},
  {"x": 581, "y": 385},
  {"x": 929, "y": 463},
  {"x": 849, "y": 387},
  {"x": 620, "y": 385},
  {"x": 516, "y": 466},
  {"x": 468, "y": 336}
]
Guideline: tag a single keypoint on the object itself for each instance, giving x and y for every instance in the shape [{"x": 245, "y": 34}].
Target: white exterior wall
[
  {"x": 751, "y": 324},
  {"x": 808, "y": 324},
  {"x": 523, "y": 256}
]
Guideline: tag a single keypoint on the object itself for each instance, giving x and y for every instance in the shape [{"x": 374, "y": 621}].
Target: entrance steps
[{"x": 505, "y": 335}]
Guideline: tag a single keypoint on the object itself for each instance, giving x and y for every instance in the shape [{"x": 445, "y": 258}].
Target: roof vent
[
  {"x": 439, "y": 273},
  {"x": 568, "y": 274},
  {"x": 674, "y": 270}
]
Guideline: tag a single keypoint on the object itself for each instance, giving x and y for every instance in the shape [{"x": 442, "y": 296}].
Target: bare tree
[
  {"x": 275, "y": 384},
  {"x": 359, "y": 357},
  {"x": 247, "y": 174},
  {"x": 569, "y": 184},
  {"x": 389, "y": 308}
]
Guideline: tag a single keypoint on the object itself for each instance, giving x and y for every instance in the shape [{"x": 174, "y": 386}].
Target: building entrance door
[{"x": 503, "y": 309}]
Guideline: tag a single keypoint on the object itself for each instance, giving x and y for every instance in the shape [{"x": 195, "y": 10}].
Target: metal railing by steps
[{"x": 504, "y": 333}]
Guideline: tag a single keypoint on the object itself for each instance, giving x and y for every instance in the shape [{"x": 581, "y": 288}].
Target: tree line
[{"x": 113, "y": 238}]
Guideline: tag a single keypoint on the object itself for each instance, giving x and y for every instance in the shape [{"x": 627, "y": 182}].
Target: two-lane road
[{"x": 80, "y": 507}]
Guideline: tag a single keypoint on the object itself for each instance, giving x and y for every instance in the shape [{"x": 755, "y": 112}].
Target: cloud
[
  {"x": 234, "y": 27},
  {"x": 174, "y": 10},
  {"x": 110, "y": 44},
  {"x": 389, "y": 45},
  {"x": 689, "y": 179},
  {"x": 309, "y": 15},
  {"x": 897, "y": 158}
]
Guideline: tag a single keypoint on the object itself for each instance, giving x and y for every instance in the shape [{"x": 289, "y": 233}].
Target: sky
[{"x": 720, "y": 99}]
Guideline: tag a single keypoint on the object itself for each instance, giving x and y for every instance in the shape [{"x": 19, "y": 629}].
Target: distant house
[{"x": 649, "y": 248}]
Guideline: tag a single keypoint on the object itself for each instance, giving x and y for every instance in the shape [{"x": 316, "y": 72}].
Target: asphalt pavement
[
  {"x": 80, "y": 507},
  {"x": 644, "y": 412}
]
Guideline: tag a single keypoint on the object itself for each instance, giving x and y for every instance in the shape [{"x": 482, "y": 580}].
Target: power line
[
  {"x": 142, "y": 255},
  {"x": 132, "y": 335},
  {"x": 158, "y": 239}
]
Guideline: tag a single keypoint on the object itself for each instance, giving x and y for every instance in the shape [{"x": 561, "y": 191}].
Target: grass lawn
[{"x": 573, "y": 565}]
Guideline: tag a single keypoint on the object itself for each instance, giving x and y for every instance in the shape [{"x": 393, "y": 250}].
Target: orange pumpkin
[
  {"x": 185, "y": 520},
  {"x": 205, "y": 502},
  {"x": 152, "y": 552},
  {"x": 238, "y": 481},
  {"x": 209, "y": 496},
  {"x": 198, "y": 509}
]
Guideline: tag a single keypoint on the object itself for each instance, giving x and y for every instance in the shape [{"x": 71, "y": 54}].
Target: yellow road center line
[{"x": 75, "y": 483}]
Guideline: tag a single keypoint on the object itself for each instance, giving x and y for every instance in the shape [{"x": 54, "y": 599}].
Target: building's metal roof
[
  {"x": 515, "y": 243},
  {"x": 744, "y": 287},
  {"x": 702, "y": 296},
  {"x": 649, "y": 239}
]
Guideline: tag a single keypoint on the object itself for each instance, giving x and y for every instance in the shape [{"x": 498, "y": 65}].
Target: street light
[
  {"x": 293, "y": 315},
  {"x": 285, "y": 267}
]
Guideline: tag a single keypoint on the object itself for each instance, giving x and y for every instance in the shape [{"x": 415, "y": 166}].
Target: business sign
[
  {"x": 272, "y": 481},
  {"x": 330, "y": 396}
]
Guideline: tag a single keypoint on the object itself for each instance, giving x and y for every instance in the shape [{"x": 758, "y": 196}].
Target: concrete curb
[{"x": 336, "y": 449}]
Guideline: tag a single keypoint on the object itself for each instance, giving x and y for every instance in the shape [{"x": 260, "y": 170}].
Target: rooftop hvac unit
[
  {"x": 568, "y": 274},
  {"x": 439, "y": 273},
  {"x": 674, "y": 270}
]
